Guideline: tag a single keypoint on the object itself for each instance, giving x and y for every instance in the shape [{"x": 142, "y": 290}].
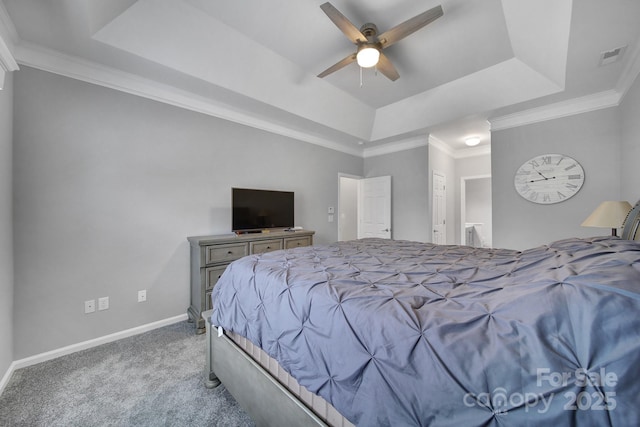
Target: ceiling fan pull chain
[{"x": 361, "y": 84}]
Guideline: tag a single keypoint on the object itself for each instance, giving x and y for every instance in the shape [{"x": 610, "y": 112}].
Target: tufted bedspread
[{"x": 397, "y": 333}]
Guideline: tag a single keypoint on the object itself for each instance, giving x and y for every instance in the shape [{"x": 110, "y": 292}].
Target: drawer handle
[
  {"x": 268, "y": 247},
  {"x": 230, "y": 253}
]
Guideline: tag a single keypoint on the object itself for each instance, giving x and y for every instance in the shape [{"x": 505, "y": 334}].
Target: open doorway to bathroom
[{"x": 475, "y": 212}]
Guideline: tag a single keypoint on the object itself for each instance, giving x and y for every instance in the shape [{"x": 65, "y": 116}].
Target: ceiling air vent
[{"x": 612, "y": 55}]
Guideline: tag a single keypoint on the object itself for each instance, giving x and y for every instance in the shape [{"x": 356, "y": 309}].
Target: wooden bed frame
[{"x": 267, "y": 401}]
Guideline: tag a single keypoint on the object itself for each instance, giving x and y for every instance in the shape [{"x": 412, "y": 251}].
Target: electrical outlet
[
  {"x": 142, "y": 295},
  {"x": 89, "y": 306},
  {"x": 103, "y": 303}
]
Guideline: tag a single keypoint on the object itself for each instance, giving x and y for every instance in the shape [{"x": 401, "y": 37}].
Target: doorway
[
  {"x": 364, "y": 207},
  {"x": 475, "y": 211}
]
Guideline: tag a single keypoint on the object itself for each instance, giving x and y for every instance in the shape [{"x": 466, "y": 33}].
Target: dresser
[{"x": 210, "y": 255}]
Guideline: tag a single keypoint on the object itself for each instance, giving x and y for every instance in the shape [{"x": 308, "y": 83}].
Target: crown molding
[
  {"x": 394, "y": 147},
  {"x": 440, "y": 145},
  {"x": 584, "y": 104},
  {"x": 630, "y": 72},
  {"x": 91, "y": 72},
  {"x": 464, "y": 153},
  {"x": 7, "y": 61},
  {"x": 596, "y": 101},
  {"x": 56, "y": 62}
]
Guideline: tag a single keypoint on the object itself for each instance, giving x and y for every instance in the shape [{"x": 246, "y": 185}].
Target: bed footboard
[
  {"x": 267, "y": 401},
  {"x": 210, "y": 380}
]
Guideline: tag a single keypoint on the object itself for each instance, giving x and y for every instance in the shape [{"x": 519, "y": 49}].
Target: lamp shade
[{"x": 609, "y": 214}]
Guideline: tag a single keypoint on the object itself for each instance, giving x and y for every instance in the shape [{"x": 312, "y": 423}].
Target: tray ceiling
[{"x": 256, "y": 61}]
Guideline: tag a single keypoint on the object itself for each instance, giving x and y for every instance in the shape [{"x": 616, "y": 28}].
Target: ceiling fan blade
[
  {"x": 410, "y": 26},
  {"x": 349, "y": 30},
  {"x": 386, "y": 67},
  {"x": 338, "y": 65}
]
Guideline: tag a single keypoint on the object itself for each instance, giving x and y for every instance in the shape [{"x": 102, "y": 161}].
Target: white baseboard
[{"x": 43, "y": 357}]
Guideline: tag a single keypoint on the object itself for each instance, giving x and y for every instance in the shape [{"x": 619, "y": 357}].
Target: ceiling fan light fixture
[{"x": 368, "y": 56}]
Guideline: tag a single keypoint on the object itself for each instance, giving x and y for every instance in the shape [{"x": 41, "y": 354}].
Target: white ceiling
[{"x": 256, "y": 61}]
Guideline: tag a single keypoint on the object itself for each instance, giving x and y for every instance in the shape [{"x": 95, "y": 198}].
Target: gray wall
[
  {"x": 6, "y": 228},
  {"x": 593, "y": 139},
  {"x": 108, "y": 186},
  {"x": 630, "y": 153},
  {"x": 409, "y": 172}
]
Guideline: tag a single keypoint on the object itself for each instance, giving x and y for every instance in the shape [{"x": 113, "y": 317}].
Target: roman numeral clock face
[{"x": 549, "y": 178}]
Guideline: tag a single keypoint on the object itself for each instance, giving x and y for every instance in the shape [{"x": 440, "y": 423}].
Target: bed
[{"x": 376, "y": 332}]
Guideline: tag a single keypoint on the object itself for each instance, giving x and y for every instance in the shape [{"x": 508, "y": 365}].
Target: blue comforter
[{"x": 397, "y": 333}]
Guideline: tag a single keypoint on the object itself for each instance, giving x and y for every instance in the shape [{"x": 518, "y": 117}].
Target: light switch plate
[{"x": 330, "y": 210}]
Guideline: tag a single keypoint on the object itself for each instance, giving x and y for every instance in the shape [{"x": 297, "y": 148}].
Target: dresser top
[{"x": 232, "y": 237}]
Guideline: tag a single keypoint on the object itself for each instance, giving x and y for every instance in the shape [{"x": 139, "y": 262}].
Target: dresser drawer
[
  {"x": 211, "y": 276},
  {"x": 225, "y": 253},
  {"x": 265, "y": 246},
  {"x": 295, "y": 242}
]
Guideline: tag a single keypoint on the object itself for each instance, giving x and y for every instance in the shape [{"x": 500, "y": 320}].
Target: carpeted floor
[{"x": 151, "y": 379}]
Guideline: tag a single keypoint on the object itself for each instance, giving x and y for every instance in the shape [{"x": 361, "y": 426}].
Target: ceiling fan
[{"x": 370, "y": 44}]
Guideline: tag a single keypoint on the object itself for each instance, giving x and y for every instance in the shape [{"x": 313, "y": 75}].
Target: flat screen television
[{"x": 254, "y": 210}]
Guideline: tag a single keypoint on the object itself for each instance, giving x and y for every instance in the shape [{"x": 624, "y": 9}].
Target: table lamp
[{"x": 609, "y": 214}]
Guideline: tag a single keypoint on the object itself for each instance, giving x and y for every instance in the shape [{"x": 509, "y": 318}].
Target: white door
[
  {"x": 374, "y": 207},
  {"x": 439, "y": 209}
]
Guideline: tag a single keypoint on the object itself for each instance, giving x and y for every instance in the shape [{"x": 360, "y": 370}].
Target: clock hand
[
  {"x": 543, "y": 179},
  {"x": 540, "y": 173}
]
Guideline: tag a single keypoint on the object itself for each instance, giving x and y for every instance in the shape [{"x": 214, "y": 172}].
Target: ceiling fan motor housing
[{"x": 369, "y": 30}]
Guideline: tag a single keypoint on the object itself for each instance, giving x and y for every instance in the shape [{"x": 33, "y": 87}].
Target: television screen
[{"x": 260, "y": 209}]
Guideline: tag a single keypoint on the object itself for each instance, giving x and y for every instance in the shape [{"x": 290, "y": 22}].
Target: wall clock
[{"x": 549, "y": 178}]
